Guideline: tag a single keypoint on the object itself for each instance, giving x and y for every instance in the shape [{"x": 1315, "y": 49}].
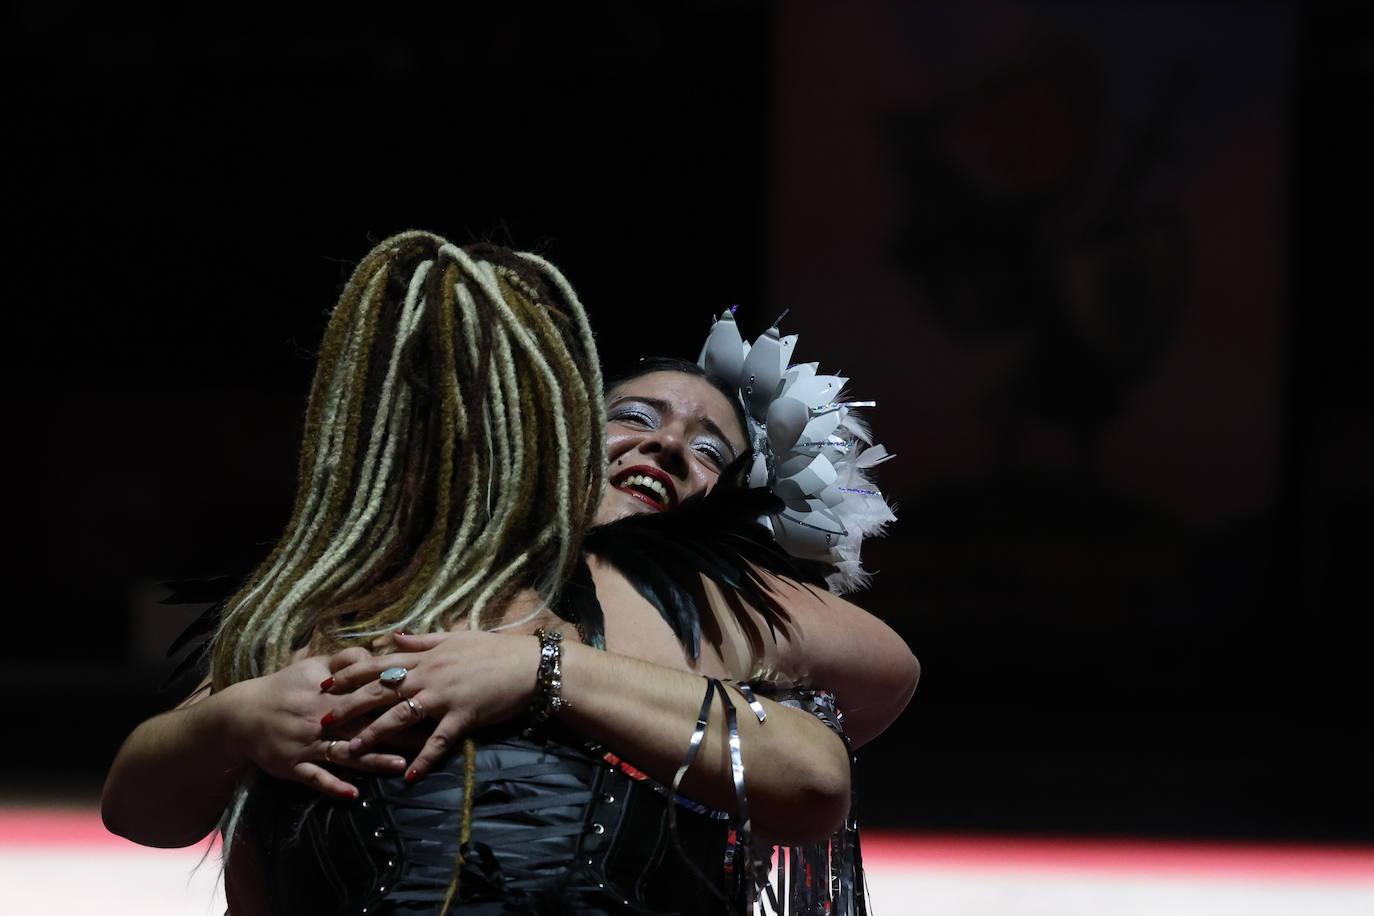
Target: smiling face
[{"x": 668, "y": 437}]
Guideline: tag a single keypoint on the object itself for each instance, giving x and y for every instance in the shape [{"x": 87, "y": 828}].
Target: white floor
[
  {"x": 136, "y": 882},
  {"x": 61, "y": 861},
  {"x": 985, "y": 891}
]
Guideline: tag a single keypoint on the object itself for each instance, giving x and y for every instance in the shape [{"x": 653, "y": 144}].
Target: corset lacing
[{"x": 533, "y": 813}]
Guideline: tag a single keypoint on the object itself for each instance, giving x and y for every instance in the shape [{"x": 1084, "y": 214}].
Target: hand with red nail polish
[
  {"x": 293, "y": 724},
  {"x": 455, "y": 682}
]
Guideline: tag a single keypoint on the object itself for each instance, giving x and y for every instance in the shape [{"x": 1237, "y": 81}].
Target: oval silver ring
[{"x": 392, "y": 677}]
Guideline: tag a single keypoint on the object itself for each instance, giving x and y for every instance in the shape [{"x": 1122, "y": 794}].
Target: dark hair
[{"x": 673, "y": 364}]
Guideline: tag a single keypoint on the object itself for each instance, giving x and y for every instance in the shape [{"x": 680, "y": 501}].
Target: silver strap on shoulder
[
  {"x": 753, "y": 702},
  {"x": 755, "y": 871},
  {"x": 741, "y": 848},
  {"x": 736, "y": 758},
  {"x": 693, "y": 746}
]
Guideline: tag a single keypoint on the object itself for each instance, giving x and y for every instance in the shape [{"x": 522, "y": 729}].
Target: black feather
[
  {"x": 716, "y": 535},
  {"x": 199, "y": 591},
  {"x": 579, "y": 605},
  {"x": 196, "y": 636}
]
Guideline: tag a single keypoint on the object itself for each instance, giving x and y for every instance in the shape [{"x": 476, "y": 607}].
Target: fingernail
[
  {"x": 328, "y": 719},
  {"x": 397, "y": 762},
  {"x": 326, "y": 683},
  {"x": 355, "y": 745},
  {"x": 412, "y": 775},
  {"x": 353, "y": 793}
]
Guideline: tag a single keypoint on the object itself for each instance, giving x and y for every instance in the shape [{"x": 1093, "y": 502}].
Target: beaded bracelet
[{"x": 548, "y": 681}]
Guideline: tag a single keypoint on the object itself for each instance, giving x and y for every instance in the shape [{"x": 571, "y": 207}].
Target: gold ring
[
  {"x": 415, "y": 708},
  {"x": 329, "y": 750}
]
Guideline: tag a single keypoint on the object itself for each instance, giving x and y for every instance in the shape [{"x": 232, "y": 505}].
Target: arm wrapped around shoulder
[
  {"x": 817, "y": 820},
  {"x": 832, "y": 770},
  {"x": 863, "y": 663},
  {"x": 826, "y": 875},
  {"x": 823, "y": 639}
]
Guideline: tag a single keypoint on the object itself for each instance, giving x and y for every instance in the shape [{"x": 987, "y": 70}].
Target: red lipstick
[{"x": 657, "y": 474}]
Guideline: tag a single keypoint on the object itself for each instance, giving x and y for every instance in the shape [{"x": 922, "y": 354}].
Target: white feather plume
[{"x": 824, "y": 476}]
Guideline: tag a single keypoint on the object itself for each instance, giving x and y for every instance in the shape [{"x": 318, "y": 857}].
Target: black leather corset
[{"x": 555, "y": 829}]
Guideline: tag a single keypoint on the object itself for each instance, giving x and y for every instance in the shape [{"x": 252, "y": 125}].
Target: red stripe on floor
[
  {"x": 31, "y": 827},
  {"x": 28, "y": 828},
  {"x": 1255, "y": 861}
]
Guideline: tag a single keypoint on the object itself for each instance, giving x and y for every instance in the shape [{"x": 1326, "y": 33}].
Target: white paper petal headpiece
[{"x": 810, "y": 450}]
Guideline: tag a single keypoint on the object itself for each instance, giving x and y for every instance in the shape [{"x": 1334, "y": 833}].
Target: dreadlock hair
[
  {"x": 456, "y": 401},
  {"x": 453, "y": 454}
]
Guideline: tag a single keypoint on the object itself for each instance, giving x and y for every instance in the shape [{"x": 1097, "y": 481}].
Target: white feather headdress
[{"x": 809, "y": 449}]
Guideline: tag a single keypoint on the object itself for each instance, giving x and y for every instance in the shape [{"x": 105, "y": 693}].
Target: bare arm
[
  {"x": 834, "y": 644},
  {"x": 174, "y": 774},
  {"x": 797, "y": 770},
  {"x": 173, "y": 778}
]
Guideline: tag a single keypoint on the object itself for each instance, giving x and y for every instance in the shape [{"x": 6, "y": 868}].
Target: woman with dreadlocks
[{"x": 467, "y": 677}]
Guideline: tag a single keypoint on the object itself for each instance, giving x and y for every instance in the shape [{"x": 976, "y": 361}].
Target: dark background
[{"x": 1100, "y": 264}]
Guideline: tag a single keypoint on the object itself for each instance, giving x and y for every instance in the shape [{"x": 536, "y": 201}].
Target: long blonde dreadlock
[{"x": 453, "y": 454}]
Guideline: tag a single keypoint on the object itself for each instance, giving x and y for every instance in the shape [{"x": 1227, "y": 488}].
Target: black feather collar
[{"x": 665, "y": 555}]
